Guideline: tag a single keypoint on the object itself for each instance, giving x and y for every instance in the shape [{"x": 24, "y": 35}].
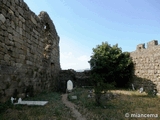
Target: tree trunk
[{"x": 97, "y": 98}]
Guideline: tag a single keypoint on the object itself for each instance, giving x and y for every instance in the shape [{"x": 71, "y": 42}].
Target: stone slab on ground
[
  {"x": 41, "y": 103},
  {"x": 73, "y": 97}
]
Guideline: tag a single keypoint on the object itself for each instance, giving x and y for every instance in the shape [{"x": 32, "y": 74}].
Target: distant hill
[{"x": 81, "y": 70}]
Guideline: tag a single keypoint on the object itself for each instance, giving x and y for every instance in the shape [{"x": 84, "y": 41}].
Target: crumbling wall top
[
  {"x": 140, "y": 47},
  {"x": 152, "y": 43},
  {"x": 45, "y": 19}
]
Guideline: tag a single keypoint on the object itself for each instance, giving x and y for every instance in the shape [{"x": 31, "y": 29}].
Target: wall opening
[
  {"x": 46, "y": 27},
  {"x": 52, "y": 64}
]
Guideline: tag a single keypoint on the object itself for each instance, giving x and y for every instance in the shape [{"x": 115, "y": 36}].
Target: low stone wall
[
  {"x": 83, "y": 78},
  {"x": 29, "y": 51},
  {"x": 79, "y": 79}
]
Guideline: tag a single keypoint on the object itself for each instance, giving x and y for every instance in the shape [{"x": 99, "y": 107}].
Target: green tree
[
  {"x": 100, "y": 86},
  {"x": 109, "y": 67}
]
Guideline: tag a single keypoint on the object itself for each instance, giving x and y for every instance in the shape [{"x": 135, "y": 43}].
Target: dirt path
[{"x": 75, "y": 112}]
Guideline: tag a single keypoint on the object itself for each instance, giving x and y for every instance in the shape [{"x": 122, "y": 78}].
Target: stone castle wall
[
  {"x": 79, "y": 79},
  {"x": 29, "y": 50},
  {"x": 147, "y": 65}
]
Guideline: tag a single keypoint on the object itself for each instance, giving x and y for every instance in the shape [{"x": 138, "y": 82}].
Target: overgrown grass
[
  {"x": 5, "y": 106},
  {"x": 113, "y": 109},
  {"x": 131, "y": 102},
  {"x": 54, "y": 110}
]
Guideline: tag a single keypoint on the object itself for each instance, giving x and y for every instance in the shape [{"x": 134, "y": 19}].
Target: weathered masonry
[
  {"x": 29, "y": 51},
  {"x": 147, "y": 65}
]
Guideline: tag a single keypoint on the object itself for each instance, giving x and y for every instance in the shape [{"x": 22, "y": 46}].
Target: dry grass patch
[{"x": 115, "y": 108}]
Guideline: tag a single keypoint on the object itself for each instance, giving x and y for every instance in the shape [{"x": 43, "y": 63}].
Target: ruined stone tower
[{"x": 29, "y": 51}]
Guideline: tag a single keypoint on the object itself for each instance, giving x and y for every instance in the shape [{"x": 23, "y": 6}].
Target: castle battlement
[
  {"x": 150, "y": 44},
  {"x": 140, "y": 46}
]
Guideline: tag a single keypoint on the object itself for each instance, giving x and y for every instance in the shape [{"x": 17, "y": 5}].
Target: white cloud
[
  {"x": 72, "y": 56},
  {"x": 70, "y": 61},
  {"x": 84, "y": 58},
  {"x": 66, "y": 55}
]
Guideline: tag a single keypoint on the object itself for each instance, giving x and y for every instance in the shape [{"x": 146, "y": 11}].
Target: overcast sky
[{"x": 83, "y": 24}]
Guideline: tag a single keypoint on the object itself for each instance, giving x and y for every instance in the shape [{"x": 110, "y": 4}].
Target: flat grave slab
[{"x": 41, "y": 103}]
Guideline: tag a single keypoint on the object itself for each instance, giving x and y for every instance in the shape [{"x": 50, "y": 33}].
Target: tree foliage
[
  {"x": 110, "y": 66},
  {"x": 111, "y": 63}
]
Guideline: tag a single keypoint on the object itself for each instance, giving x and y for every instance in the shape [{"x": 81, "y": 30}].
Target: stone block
[
  {"x": 28, "y": 36},
  {"x": 29, "y": 62},
  {"x": 23, "y": 34},
  {"x": 24, "y": 27},
  {"x": 20, "y": 31},
  {"x": 1, "y": 33},
  {"x": 18, "y": 45},
  {"x": 20, "y": 10},
  {"x": 18, "y": 65},
  {"x": 17, "y": 29},
  {"x": 1, "y": 56},
  {"x": 8, "y": 4},
  {"x": 10, "y": 36},
  {"x": 18, "y": 60},
  {"x": 10, "y": 30},
  {"x": 22, "y": 57},
  {"x": 20, "y": 24},
  {"x": 12, "y": 24},
  {"x": 3, "y": 11},
  {"x": 7, "y": 42},
  {"x": 13, "y": 63},
  {"x": 21, "y": 2},
  {"x": 33, "y": 20},
  {"x": 4, "y": 2},
  {"x": 3, "y": 62},
  {"x": 16, "y": 14},
  {"x": 12, "y": 7},
  {"x": 21, "y": 18},
  {"x": 9, "y": 92},
  {"x": 2, "y": 18},
  {"x": 6, "y": 57},
  {"x": 35, "y": 32}
]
